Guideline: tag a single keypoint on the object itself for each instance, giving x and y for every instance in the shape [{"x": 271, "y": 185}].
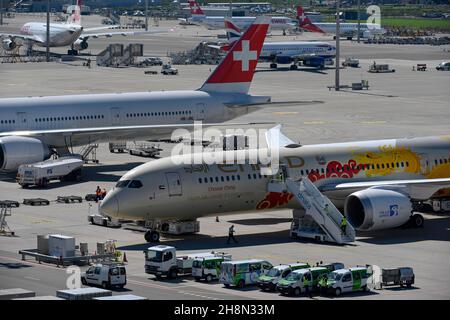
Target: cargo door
[{"x": 174, "y": 183}]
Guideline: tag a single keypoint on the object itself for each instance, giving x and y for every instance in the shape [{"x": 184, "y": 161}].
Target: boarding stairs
[
  {"x": 89, "y": 153},
  {"x": 111, "y": 56},
  {"x": 5, "y": 211},
  {"x": 130, "y": 53},
  {"x": 322, "y": 220}
]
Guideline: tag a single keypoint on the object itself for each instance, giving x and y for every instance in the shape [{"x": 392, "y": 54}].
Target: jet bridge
[{"x": 322, "y": 220}]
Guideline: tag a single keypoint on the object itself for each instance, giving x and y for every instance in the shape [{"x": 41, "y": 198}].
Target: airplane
[
  {"x": 31, "y": 128},
  {"x": 217, "y": 22},
  {"x": 346, "y": 29},
  {"x": 363, "y": 178},
  {"x": 71, "y": 33},
  {"x": 310, "y": 53}
]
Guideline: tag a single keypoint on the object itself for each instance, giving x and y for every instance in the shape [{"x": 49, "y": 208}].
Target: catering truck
[
  {"x": 270, "y": 280},
  {"x": 163, "y": 261},
  {"x": 208, "y": 268}
]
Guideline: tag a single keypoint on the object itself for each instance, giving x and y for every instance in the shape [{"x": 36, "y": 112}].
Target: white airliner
[
  {"x": 217, "y": 22},
  {"x": 70, "y": 34},
  {"x": 376, "y": 182},
  {"x": 311, "y": 53},
  {"x": 30, "y": 128},
  {"x": 347, "y": 29}
]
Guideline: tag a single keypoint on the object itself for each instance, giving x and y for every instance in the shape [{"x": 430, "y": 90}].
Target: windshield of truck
[
  {"x": 293, "y": 276},
  {"x": 153, "y": 256},
  {"x": 274, "y": 272},
  {"x": 197, "y": 264},
  {"x": 334, "y": 276}
]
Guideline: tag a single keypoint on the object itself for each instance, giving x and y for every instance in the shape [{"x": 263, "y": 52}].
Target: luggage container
[
  {"x": 397, "y": 277},
  {"x": 61, "y": 246}
]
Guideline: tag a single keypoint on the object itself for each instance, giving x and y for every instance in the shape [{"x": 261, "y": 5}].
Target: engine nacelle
[
  {"x": 375, "y": 209},
  {"x": 15, "y": 151},
  {"x": 80, "y": 45},
  {"x": 8, "y": 44}
]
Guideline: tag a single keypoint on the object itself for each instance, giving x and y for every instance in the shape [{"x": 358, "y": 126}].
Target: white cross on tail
[{"x": 245, "y": 56}]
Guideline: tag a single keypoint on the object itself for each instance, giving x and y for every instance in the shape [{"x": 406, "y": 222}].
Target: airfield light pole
[
  {"x": 146, "y": 15},
  {"x": 47, "y": 44},
  {"x": 1, "y": 12},
  {"x": 359, "y": 20},
  {"x": 337, "y": 84}
]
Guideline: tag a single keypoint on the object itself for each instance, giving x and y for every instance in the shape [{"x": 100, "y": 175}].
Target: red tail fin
[
  {"x": 235, "y": 72},
  {"x": 195, "y": 8},
  {"x": 305, "y": 23}
]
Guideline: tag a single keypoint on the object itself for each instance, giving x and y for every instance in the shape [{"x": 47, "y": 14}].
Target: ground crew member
[
  {"x": 88, "y": 63},
  {"x": 98, "y": 194},
  {"x": 343, "y": 224},
  {"x": 322, "y": 283},
  {"x": 306, "y": 285},
  {"x": 231, "y": 234},
  {"x": 104, "y": 192}
]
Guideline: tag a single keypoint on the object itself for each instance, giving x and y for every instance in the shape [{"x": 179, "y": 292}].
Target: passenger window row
[
  {"x": 219, "y": 179},
  {"x": 7, "y": 121},
  {"x": 441, "y": 161},
  {"x": 153, "y": 114},
  {"x": 70, "y": 118}
]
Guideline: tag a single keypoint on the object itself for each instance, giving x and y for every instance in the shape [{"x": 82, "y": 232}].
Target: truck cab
[
  {"x": 208, "y": 268},
  {"x": 105, "y": 275},
  {"x": 347, "y": 280},
  {"x": 270, "y": 280}
]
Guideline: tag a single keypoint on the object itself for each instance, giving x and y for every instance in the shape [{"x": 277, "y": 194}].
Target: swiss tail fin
[
  {"x": 195, "y": 8},
  {"x": 235, "y": 72},
  {"x": 305, "y": 23},
  {"x": 75, "y": 17}
]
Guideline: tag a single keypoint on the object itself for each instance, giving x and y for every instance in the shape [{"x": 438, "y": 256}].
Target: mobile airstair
[
  {"x": 111, "y": 56},
  {"x": 322, "y": 220},
  {"x": 5, "y": 211},
  {"x": 130, "y": 53},
  {"x": 89, "y": 153}
]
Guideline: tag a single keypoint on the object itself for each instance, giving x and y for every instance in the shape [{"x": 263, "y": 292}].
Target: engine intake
[
  {"x": 376, "y": 209},
  {"x": 15, "y": 151},
  {"x": 8, "y": 44},
  {"x": 80, "y": 45}
]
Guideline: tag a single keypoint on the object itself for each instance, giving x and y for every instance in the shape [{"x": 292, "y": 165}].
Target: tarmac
[{"x": 405, "y": 103}]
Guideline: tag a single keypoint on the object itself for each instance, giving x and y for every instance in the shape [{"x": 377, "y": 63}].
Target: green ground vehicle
[
  {"x": 347, "y": 280},
  {"x": 293, "y": 283},
  {"x": 269, "y": 280},
  {"x": 243, "y": 272},
  {"x": 208, "y": 268}
]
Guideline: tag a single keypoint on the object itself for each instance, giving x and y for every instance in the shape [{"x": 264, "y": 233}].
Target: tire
[
  {"x": 337, "y": 292},
  {"x": 241, "y": 284},
  {"x": 91, "y": 220},
  {"x": 147, "y": 236},
  {"x": 227, "y": 285},
  {"x": 105, "y": 285},
  {"x": 417, "y": 221},
  {"x": 154, "y": 236},
  {"x": 197, "y": 279},
  {"x": 121, "y": 286},
  {"x": 173, "y": 274},
  {"x": 365, "y": 288},
  {"x": 208, "y": 278},
  {"x": 408, "y": 284},
  {"x": 297, "y": 292},
  {"x": 83, "y": 281},
  {"x": 105, "y": 223}
]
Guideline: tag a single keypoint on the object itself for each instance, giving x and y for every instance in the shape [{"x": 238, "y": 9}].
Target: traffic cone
[{"x": 124, "y": 260}]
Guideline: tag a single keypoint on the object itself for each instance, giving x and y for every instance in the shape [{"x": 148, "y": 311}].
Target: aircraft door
[
  {"x": 174, "y": 183},
  {"x": 115, "y": 116},
  {"x": 424, "y": 164},
  {"x": 22, "y": 121},
  {"x": 200, "y": 112}
]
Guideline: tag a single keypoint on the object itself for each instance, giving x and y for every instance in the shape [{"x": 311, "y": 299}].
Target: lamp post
[
  {"x": 146, "y": 15},
  {"x": 337, "y": 84},
  {"x": 359, "y": 20},
  {"x": 47, "y": 44}
]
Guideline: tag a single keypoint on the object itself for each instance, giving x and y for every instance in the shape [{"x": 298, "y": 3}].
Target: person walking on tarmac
[
  {"x": 306, "y": 285},
  {"x": 231, "y": 235},
  {"x": 343, "y": 224},
  {"x": 98, "y": 194}
]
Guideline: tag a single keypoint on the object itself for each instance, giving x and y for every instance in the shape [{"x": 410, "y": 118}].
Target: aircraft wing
[
  {"x": 86, "y": 36},
  {"x": 21, "y": 36},
  {"x": 420, "y": 189}
]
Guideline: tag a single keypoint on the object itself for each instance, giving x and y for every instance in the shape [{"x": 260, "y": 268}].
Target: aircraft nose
[{"x": 109, "y": 206}]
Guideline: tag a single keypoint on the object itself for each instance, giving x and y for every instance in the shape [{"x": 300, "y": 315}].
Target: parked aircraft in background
[
  {"x": 217, "y": 22},
  {"x": 310, "y": 53},
  {"x": 376, "y": 182},
  {"x": 32, "y": 127},
  {"x": 347, "y": 29},
  {"x": 71, "y": 33}
]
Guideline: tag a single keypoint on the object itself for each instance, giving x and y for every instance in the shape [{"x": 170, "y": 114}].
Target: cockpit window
[
  {"x": 135, "y": 184},
  {"x": 122, "y": 183}
]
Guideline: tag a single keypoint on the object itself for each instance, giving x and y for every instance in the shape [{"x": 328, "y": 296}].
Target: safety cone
[{"x": 124, "y": 260}]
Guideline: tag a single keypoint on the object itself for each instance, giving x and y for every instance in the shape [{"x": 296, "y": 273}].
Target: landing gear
[
  {"x": 417, "y": 221},
  {"x": 273, "y": 66},
  {"x": 284, "y": 32},
  {"x": 293, "y": 67},
  {"x": 151, "y": 236},
  {"x": 72, "y": 52}
]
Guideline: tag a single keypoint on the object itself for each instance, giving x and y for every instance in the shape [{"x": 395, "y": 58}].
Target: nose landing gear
[{"x": 152, "y": 236}]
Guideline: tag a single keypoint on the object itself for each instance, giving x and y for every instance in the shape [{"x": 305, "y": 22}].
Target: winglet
[
  {"x": 235, "y": 72},
  {"x": 276, "y": 139}
]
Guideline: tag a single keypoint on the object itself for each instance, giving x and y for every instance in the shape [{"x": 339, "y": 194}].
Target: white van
[
  {"x": 347, "y": 280},
  {"x": 106, "y": 276},
  {"x": 243, "y": 272}
]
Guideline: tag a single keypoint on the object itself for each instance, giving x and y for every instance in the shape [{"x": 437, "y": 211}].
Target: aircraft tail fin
[
  {"x": 75, "y": 17},
  {"x": 235, "y": 72},
  {"x": 305, "y": 23},
  {"x": 195, "y": 8}
]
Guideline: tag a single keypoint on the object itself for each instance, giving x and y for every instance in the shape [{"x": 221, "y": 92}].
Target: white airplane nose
[{"x": 109, "y": 206}]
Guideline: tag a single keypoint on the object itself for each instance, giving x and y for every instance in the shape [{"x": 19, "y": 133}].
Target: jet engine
[
  {"x": 376, "y": 209},
  {"x": 80, "y": 45},
  {"x": 9, "y": 44},
  {"x": 15, "y": 151}
]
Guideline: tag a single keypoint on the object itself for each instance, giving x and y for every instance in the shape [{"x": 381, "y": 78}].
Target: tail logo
[{"x": 245, "y": 56}]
